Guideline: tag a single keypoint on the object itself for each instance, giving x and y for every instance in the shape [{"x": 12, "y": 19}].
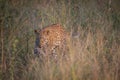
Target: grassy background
[{"x": 94, "y": 26}]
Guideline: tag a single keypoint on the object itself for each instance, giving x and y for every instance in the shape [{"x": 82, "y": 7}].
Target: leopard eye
[
  {"x": 46, "y": 32},
  {"x": 39, "y": 46}
]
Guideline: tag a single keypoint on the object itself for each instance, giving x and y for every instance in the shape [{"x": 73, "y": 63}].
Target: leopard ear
[{"x": 36, "y": 31}]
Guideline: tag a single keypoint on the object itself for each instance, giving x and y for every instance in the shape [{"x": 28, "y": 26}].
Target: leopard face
[{"x": 50, "y": 38}]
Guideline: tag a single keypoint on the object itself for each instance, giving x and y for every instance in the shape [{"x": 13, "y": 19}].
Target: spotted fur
[{"x": 50, "y": 39}]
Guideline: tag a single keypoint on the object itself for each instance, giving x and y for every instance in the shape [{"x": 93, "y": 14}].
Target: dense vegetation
[{"x": 94, "y": 51}]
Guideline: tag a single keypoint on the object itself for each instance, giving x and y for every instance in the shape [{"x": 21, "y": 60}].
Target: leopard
[{"x": 51, "y": 40}]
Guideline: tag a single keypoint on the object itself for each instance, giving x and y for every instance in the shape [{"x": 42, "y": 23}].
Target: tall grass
[
  {"x": 89, "y": 59},
  {"x": 94, "y": 47}
]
